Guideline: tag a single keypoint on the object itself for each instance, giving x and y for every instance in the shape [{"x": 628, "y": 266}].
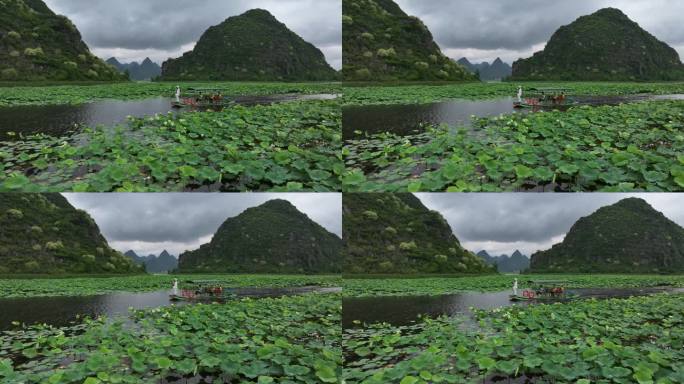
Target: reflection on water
[
  {"x": 405, "y": 310},
  {"x": 60, "y": 311},
  {"x": 405, "y": 120},
  {"x": 60, "y": 120}
]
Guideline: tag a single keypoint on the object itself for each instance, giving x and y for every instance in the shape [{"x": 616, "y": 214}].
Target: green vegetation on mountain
[
  {"x": 497, "y": 70},
  {"x": 163, "y": 263},
  {"x": 272, "y": 238},
  {"x": 147, "y": 70},
  {"x": 627, "y": 237},
  {"x": 382, "y": 43},
  {"x": 396, "y": 233},
  {"x": 254, "y": 46},
  {"x": 516, "y": 262},
  {"x": 604, "y": 46},
  {"x": 38, "y": 45},
  {"x": 43, "y": 233}
]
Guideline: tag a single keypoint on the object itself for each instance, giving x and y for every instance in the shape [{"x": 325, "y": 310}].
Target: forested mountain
[
  {"x": 254, "y": 46},
  {"x": 38, "y": 45},
  {"x": 497, "y": 70},
  {"x": 43, "y": 233},
  {"x": 396, "y": 233},
  {"x": 606, "y": 45},
  {"x": 517, "y": 262},
  {"x": 382, "y": 43},
  {"x": 147, "y": 70},
  {"x": 627, "y": 237},
  {"x": 272, "y": 238},
  {"x": 163, "y": 263}
]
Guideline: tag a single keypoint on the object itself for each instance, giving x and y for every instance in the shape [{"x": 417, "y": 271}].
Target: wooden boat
[
  {"x": 544, "y": 290},
  {"x": 537, "y": 98},
  {"x": 202, "y": 290},
  {"x": 203, "y": 98}
]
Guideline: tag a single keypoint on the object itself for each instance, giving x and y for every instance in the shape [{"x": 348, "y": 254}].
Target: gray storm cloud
[
  {"x": 504, "y": 222},
  {"x": 484, "y": 29},
  {"x": 151, "y": 222},
  {"x": 166, "y": 28}
]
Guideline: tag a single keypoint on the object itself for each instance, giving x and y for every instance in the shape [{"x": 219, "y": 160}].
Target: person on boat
[
  {"x": 175, "y": 287},
  {"x": 515, "y": 287},
  {"x": 520, "y": 94},
  {"x": 178, "y": 94}
]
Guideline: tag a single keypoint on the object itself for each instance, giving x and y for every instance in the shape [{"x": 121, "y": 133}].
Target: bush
[
  {"x": 433, "y": 58},
  {"x": 408, "y": 246},
  {"x": 90, "y": 259},
  {"x": 370, "y": 215},
  {"x": 441, "y": 258},
  {"x": 367, "y": 36},
  {"x": 99, "y": 250},
  {"x": 348, "y": 20},
  {"x": 82, "y": 57},
  {"x": 14, "y": 53},
  {"x": 37, "y": 247},
  {"x": 92, "y": 74},
  {"x": 15, "y": 213},
  {"x": 389, "y": 52},
  {"x": 391, "y": 230},
  {"x": 386, "y": 266},
  {"x": 32, "y": 266},
  {"x": 109, "y": 267},
  {"x": 9, "y": 74},
  {"x": 368, "y": 54},
  {"x": 363, "y": 73},
  {"x": 14, "y": 35},
  {"x": 33, "y": 52},
  {"x": 36, "y": 229},
  {"x": 70, "y": 65},
  {"x": 461, "y": 267},
  {"x": 54, "y": 245},
  {"x": 391, "y": 248},
  {"x": 422, "y": 65}
]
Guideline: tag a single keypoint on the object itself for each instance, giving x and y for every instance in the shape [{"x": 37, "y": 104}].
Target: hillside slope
[
  {"x": 254, "y": 46},
  {"x": 382, "y": 43},
  {"x": 38, "y": 45},
  {"x": 272, "y": 238},
  {"x": 43, "y": 233},
  {"x": 396, "y": 233},
  {"x": 627, "y": 237},
  {"x": 606, "y": 45}
]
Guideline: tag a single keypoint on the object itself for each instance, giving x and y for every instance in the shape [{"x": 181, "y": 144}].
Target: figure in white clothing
[
  {"x": 515, "y": 287},
  {"x": 178, "y": 94},
  {"x": 520, "y": 94},
  {"x": 175, "y": 287}
]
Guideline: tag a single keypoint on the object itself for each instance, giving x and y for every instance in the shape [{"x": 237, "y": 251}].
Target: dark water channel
[
  {"x": 61, "y": 311},
  {"x": 60, "y": 120},
  {"x": 410, "y": 119},
  {"x": 405, "y": 310}
]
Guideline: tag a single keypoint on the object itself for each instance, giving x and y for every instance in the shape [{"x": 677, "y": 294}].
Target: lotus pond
[
  {"x": 268, "y": 340},
  {"x": 633, "y": 340},
  {"x": 291, "y": 146},
  {"x": 87, "y": 286},
  {"x": 629, "y": 147}
]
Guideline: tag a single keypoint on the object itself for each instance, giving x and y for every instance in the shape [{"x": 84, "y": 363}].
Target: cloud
[
  {"x": 152, "y": 222},
  {"x": 486, "y": 29},
  {"x": 504, "y": 222},
  {"x": 160, "y": 29}
]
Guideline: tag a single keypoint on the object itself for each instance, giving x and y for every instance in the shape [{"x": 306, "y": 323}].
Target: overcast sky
[
  {"x": 500, "y": 223},
  {"x": 149, "y": 223},
  {"x": 134, "y": 29},
  {"x": 483, "y": 30}
]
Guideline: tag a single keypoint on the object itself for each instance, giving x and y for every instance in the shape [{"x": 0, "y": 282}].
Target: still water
[
  {"x": 405, "y": 310},
  {"x": 60, "y": 120},
  {"x": 405, "y": 120},
  {"x": 61, "y": 311}
]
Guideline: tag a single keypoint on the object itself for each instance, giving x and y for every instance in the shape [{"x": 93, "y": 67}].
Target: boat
[
  {"x": 202, "y": 290},
  {"x": 544, "y": 290},
  {"x": 537, "y": 98},
  {"x": 203, "y": 98}
]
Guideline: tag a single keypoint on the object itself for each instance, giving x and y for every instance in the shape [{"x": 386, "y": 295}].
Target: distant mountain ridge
[
  {"x": 394, "y": 233},
  {"x": 517, "y": 262},
  {"x": 274, "y": 237},
  {"x": 253, "y": 46},
  {"x": 163, "y": 263},
  {"x": 382, "y": 43},
  {"x": 45, "y": 234},
  {"x": 147, "y": 70},
  {"x": 627, "y": 237},
  {"x": 603, "y": 46},
  {"x": 497, "y": 70},
  {"x": 38, "y": 45}
]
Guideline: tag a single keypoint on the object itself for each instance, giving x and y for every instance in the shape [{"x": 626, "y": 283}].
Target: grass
[
  {"x": 412, "y": 286},
  {"x": 85, "y": 286}
]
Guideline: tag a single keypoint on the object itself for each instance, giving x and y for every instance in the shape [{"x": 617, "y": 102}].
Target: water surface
[
  {"x": 405, "y": 310},
  {"x": 61, "y": 311}
]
